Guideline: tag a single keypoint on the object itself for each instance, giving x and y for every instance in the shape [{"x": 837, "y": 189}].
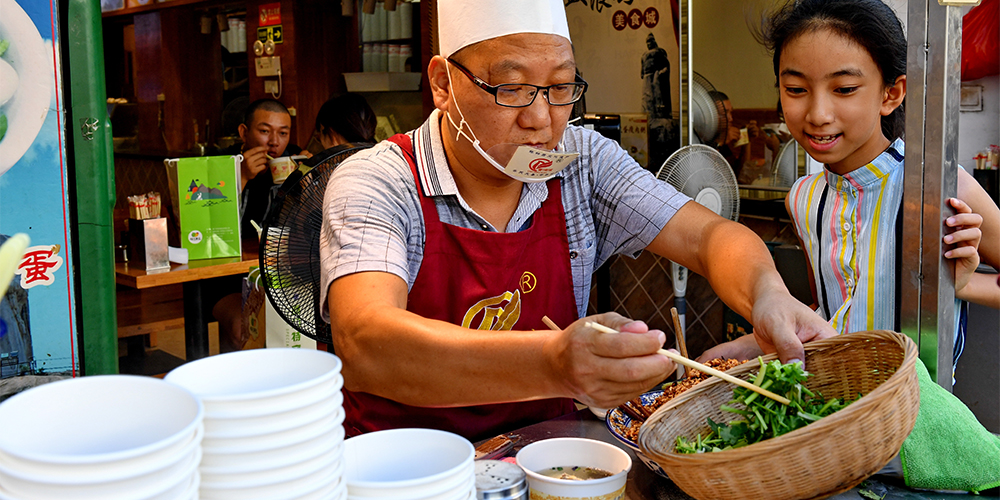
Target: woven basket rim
[{"x": 910, "y": 353}]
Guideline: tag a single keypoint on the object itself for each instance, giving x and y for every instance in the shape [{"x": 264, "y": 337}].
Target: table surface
[
  {"x": 644, "y": 484},
  {"x": 192, "y": 271}
]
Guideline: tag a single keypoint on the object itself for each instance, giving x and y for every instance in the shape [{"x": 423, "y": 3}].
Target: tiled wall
[{"x": 642, "y": 289}]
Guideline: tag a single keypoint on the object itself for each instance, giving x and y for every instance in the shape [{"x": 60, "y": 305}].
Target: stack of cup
[
  {"x": 409, "y": 464},
  {"x": 101, "y": 438},
  {"x": 273, "y": 424}
]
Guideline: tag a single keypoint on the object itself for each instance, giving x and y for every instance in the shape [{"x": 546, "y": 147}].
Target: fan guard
[
  {"x": 708, "y": 113},
  {"x": 289, "y": 246},
  {"x": 702, "y": 173},
  {"x": 785, "y": 167}
]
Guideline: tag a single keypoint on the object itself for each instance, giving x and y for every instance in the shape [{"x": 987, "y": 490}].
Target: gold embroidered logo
[
  {"x": 528, "y": 282},
  {"x": 498, "y": 313}
]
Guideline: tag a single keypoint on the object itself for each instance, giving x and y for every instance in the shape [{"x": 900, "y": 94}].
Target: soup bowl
[{"x": 569, "y": 453}]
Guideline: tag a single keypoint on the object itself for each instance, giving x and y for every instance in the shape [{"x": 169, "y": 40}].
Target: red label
[
  {"x": 539, "y": 164},
  {"x": 270, "y": 14}
]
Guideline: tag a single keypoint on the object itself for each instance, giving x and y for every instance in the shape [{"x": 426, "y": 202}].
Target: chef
[{"x": 444, "y": 247}]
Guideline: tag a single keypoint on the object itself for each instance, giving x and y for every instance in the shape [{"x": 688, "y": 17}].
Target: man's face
[
  {"x": 532, "y": 58},
  {"x": 267, "y": 128}
]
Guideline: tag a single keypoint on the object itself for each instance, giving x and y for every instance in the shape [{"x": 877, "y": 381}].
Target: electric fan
[
  {"x": 707, "y": 111},
  {"x": 289, "y": 246},
  {"x": 785, "y": 167},
  {"x": 702, "y": 173}
]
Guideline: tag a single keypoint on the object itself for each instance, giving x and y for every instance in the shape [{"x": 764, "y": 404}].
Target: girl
[{"x": 840, "y": 67}]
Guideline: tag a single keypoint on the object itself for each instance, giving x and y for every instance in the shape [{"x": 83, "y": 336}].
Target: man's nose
[{"x": 537, "y": 115}]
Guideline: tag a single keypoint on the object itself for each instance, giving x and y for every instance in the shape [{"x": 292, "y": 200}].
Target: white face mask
[{"x": 519, "y": 162}]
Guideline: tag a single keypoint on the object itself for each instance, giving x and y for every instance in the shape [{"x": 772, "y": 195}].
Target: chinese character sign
[{"x": 37, "y": 319}]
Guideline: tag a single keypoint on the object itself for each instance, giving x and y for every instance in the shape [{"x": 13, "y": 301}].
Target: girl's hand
[{"x": 964, "y": 241}]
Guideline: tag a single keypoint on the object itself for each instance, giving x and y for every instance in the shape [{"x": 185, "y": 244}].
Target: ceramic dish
[{"x": 617, "y": 419}]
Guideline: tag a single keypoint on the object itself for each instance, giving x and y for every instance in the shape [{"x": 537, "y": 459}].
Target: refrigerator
[{"x": 56, "y": 186}]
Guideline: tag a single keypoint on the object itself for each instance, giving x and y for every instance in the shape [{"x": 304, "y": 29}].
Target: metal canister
[{"x": 499, "y": 480}]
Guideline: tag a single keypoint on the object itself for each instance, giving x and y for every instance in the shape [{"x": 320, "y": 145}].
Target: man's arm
[
  {"x": 396, "y": 354},
  {"x": 738, "y": 266}
]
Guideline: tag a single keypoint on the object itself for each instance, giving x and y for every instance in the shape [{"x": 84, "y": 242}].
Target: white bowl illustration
[{"x": 31, "y": 58}]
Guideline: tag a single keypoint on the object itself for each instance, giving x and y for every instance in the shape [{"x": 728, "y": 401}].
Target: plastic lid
[{"x": 499, "y": 480}]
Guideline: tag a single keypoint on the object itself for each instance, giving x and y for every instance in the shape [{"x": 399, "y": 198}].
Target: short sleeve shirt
[{"x": 372, "y": 218}]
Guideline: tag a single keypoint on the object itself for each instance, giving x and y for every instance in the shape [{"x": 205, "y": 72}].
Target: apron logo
[
  {"x": 528, "y": 282},
  {"x": 498, "y": 313},
  {"x": 539, "y": 164}
]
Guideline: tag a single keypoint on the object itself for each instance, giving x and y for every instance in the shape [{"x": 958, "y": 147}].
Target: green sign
[{"x": 270, "y": 32}]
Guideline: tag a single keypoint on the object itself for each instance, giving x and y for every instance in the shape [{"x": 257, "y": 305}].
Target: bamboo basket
[{"x": 829, "y": 456}]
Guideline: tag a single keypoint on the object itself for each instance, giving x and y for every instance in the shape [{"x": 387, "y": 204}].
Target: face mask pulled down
[{"x": 519, "y": 162}]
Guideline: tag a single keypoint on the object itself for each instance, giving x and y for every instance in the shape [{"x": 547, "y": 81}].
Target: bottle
[
  {"x": 395, "y": 24},
  {"x": 367, "y": 58},
  {"x": 395, "y": 63},
  {"x": 242, "y": 33},
  {"x": 405, "y": 19},
  {"x": 405, "y": 54}
]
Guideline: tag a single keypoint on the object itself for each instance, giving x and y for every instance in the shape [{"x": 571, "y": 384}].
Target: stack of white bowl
[
  {"x": 111, "y": 437},
  {"x": 273, "y": 424},
  {"x": 409, "y": 464}
]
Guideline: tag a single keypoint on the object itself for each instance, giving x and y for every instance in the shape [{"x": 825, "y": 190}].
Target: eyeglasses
[{"x": 519, "y": 95}]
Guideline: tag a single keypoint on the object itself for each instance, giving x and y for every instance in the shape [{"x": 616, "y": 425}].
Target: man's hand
[
  {"x": 783, "y": 324},
  {"x": 254, "y": 162},
  {"x": 604, "y": 370},
  {"x": 743, "y": 348}
]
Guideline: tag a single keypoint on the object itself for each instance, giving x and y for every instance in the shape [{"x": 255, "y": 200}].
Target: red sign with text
[{"x": 270, "y": 14}]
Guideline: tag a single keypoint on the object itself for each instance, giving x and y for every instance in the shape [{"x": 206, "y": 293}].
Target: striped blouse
[{"x": 850, "y": 226}]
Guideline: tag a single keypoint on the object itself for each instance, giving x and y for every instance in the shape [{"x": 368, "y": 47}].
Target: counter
[{"x": 644, "y": 484}]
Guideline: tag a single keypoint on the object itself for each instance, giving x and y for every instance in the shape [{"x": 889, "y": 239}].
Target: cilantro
[
  {"x": 3, "y": 125},
  {"x": 3, "y": 46},
  {"x": 764, "y": 418}
]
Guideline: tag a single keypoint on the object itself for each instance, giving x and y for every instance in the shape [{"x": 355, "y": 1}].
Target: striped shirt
[
  {"x": 372, "y": 220},
  {"x": 850, "y": 227}
]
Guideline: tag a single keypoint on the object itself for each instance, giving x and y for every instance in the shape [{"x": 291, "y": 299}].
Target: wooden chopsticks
[
  {"x": 679, "y": 335},
  {"x": 677, "y": 358},
  {"x": 634, "y": 408}
]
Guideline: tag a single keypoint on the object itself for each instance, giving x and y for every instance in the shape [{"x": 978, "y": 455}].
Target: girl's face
[{"x": 833, "y": 99}]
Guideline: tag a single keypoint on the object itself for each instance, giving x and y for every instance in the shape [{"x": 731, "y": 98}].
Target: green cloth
[{"x": 948, "y": 448}]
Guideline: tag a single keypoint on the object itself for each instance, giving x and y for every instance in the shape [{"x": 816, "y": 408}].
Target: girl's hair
[
  {"x": 869, "y": 23},
  {"x": 350, "y": 116}
]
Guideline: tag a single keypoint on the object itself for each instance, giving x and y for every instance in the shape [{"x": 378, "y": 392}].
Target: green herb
[
  {"x": 3, "y": 125},
  {"x": 764, "y": 418},
  {"x": 3, "y": 46}
]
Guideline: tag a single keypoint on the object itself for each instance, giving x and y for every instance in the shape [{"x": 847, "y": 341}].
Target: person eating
[{"x": 443, "y": 248}]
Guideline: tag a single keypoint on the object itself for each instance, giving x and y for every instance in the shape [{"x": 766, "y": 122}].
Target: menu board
[{"x": 37, "y": 327}]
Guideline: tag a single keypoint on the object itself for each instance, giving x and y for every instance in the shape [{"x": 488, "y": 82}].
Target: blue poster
[{"x": 37, "y": 327}]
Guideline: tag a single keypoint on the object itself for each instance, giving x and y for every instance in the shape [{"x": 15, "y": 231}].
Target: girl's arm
[
  {"x": 982, "y": 289},
  {"x": 962, "y": 244}
]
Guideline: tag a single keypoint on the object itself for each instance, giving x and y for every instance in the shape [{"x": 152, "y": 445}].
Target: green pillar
[{"x": 92, "y": 177}]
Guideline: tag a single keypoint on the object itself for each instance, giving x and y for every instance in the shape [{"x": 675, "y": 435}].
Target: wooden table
[
  {"x": 644, "y": 484},
  {"x": 190, "y": 276}
]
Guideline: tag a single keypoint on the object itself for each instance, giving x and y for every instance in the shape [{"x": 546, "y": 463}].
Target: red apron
[{"x": 488, "y": 281}]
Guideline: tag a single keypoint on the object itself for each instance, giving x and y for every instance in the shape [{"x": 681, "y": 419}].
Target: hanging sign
[{"x": 270, "y": 14}]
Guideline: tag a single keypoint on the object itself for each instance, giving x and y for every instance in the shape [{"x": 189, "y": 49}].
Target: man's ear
[
  {"x": 242, "y": 129},
  {"x": 894, "y": 96},
  {"x": 437, "y": 76}
]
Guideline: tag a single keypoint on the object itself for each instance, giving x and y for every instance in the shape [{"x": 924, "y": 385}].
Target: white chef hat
[{"x": 464, "y": 22}]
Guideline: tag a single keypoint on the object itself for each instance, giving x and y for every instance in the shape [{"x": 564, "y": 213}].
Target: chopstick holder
[{"x": 677, "y": 358}]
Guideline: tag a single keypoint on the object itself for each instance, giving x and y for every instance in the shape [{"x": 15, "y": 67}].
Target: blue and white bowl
[{"x": 616, "y": 415}]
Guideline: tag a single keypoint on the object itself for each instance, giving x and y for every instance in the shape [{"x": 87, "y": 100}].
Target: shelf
[
  {"x": 152, "y": 5},
  {"x": 391, "y": 40},
  {"x": 382, "y": 82}
]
